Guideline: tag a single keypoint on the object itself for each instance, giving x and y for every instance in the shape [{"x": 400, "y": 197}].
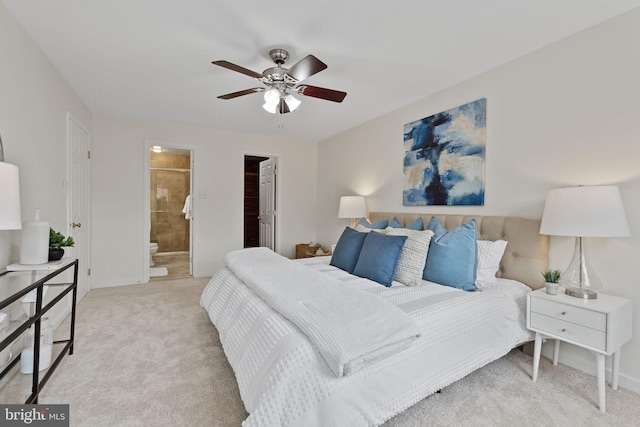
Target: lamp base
[{"x": 581, "y": 293}]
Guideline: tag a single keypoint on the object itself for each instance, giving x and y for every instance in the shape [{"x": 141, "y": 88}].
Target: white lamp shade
[
  {"x": 352, "y": 207},
  {"x": 272, "y": 97},
  {"x": 10, "y": 216},
  {"x": 269, "y": 107},
  {"x": 594, "y": 211},
  {"x": 292, "y": 102}
]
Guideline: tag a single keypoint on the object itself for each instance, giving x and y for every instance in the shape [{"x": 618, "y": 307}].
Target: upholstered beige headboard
[{"x": 527, "y": 250}]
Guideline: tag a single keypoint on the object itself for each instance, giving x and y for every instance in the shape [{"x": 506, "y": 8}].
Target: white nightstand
[{"x": 601, "y": 325}]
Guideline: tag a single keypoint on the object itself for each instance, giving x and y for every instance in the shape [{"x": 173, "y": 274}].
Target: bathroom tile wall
[{"x": 169, "y": 190}]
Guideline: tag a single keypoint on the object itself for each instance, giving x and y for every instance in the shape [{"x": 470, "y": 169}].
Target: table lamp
[
  {"x": 589, "y": 211},
  {"x": 353, "y": 207},
  {"x": 10, "y": 216}
]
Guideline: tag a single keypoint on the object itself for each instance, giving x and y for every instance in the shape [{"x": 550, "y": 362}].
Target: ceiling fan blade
[
  {"x": 306, "y": 67},
  {"x": 322, "y": 93},
  {"x": 283, "y": 108},
  {"x": 233, "y": 67},
  {"x": 241, "y": 93}
]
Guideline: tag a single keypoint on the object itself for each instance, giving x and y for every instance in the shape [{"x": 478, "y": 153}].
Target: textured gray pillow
[
  {"x": 489, "y": 257},
  {"x": 413, "y": 256}
]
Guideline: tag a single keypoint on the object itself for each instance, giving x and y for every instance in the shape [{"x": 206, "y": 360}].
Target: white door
[
  {"x": 267, "y": 203},
  {"x": 191, "y": 186},
  {"x": 79, "y": 194}
]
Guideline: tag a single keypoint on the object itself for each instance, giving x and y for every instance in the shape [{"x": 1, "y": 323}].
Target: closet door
[{"x": 268, "y": 203}]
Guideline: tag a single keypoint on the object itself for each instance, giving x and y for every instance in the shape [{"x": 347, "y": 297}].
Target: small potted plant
[
  {"x": 551, "y": 279},
  {"x": 56, "y": 243}
]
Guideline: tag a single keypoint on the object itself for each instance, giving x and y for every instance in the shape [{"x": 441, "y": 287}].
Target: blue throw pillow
[
  {"x": 378, "y": 225},
  {"x": 452, "y": 259},
  {"x": 418, "y": 224},
  {"x": 379, "y": 257},
  {"x": 345, "y": 255}
]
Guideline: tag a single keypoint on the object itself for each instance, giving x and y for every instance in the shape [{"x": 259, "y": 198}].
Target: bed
[{"x": 287, "y": 378}]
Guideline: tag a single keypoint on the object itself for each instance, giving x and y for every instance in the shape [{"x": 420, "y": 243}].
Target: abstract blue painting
[{"x": 444, "y": 157}]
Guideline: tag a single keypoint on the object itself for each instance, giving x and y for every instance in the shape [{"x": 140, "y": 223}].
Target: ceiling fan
[{"x": 280, "y": 83}]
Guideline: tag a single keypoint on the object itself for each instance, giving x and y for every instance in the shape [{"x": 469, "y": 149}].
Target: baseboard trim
[
  {"x": 115, "y": 283},
  {"x": 589, "y": 367},
  {"x": 203, "y": 274}
]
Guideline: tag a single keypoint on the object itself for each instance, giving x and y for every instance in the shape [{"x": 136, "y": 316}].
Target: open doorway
[
  {"x": 170, "y": 212},
  {"x": 260, "y": 174}
]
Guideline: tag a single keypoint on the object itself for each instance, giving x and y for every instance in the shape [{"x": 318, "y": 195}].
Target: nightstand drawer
[
  {"x": 564, "y": 312},
  {"x": 569, "y": 331}
]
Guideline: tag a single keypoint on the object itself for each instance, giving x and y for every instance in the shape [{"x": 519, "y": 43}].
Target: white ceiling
[{"x": 152, "y": 58}]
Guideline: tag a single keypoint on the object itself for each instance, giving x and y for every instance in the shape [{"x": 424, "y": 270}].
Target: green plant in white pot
[{"x": 551, "y": 279}]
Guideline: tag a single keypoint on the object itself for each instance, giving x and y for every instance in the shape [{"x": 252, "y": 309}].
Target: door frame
[
  {"x": 69, "y": 194},
  {"x": 146, "y": 209},
  {"x": 278, "y": 204}
]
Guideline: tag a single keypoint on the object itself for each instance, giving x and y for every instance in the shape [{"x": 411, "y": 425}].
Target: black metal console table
[{"x": 56, "y": 268}]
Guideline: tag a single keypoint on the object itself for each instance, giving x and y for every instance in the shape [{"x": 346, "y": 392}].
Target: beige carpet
[{"x": 147, "y": 355}]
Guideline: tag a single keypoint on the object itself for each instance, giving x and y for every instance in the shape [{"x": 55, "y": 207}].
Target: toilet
[{"x": 153, "y": 248}]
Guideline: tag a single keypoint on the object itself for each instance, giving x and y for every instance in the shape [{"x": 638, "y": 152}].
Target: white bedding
[
  {"x": 284, "y": 381},
  {"x": 351, "y": 328}
]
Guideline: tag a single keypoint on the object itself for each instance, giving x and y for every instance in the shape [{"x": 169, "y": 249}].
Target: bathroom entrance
[{"x": 170, "y": 212}]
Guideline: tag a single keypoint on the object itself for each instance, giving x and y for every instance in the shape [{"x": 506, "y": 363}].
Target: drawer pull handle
[
  {"x": 564, "y": 330},
  {"x": 564, "y": 313}
]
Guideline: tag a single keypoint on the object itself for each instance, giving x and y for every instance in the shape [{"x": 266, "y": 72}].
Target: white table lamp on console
[
  {"x": 9, "y": 197},
  {"x": 593, "y": 211},
  {"x": 10, "y": 219}
]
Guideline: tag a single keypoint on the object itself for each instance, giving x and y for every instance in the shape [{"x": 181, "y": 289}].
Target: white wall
[
  {"x": 119, "y": 237},
  {"x": 562, "y": 116},
  {"x": 34, "y": 101}
]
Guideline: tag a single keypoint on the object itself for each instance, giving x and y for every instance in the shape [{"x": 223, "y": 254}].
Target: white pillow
[
  {"x": 489, "y": 256},
  {"x": 362, "y": 229},
  {"x": 413, "y": 256}
]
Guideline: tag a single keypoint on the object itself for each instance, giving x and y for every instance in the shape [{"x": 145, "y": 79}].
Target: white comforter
[
  {"x": 284, "y": 381},
  {"x": 350, "y": 327}
]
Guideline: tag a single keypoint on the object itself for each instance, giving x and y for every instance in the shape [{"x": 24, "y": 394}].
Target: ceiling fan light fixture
[
  {"x": 270, "y": 108},
  {"x": 279, "y": 81},
  {"x": 292, "y": 102},
  {"x": 272, "y": 97}
]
